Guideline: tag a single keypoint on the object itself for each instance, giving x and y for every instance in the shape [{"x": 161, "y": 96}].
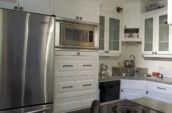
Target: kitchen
[{"x": 106, "y": 50}]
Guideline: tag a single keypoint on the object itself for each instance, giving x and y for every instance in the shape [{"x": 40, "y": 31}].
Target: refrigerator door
[
  {"x": 12, "y": 45},
  {"x": 39, "y": 60}
]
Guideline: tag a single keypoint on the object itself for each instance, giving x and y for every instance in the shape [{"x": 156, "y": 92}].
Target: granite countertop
[
  {"x": 159, "y": 80},
  {"x": 154, "y": 104},
  {"x": 145, "y": 101}
]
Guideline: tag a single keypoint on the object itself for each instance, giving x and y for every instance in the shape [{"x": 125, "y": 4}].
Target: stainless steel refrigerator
[{"x": 26, "y": 62}]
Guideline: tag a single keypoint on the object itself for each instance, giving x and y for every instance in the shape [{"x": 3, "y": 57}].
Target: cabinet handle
[
  {"x": 64, "y": 66},
  {"x": 15, "y": 7},
  {"x": 87, "y": 65},
  {"x": 21, "y": 8},
  {"x": 84, "y": 85},
  {"x": 161, "y": 88},
  {"x": 78, "y": 53},
  {"x": 106, "y": 51},
  {"x": 77, "y": 17},
  {"x": 80, "y": 18},
  {"x": 67, "y": 87},
  {"x": 147, "y": 92},
  {"x": 153, "y": 53}
]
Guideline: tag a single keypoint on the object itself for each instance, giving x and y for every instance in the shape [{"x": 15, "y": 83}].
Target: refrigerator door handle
[{"x": 38, "y": 111}]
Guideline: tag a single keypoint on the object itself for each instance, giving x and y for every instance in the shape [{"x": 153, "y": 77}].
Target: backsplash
[{"x": 153, "y": 64}]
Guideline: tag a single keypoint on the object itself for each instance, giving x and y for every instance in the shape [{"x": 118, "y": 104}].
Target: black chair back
[{"x": 95, "y": 107}]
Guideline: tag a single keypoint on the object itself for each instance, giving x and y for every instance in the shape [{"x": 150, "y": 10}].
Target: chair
[{"x": 95, "y": 107}]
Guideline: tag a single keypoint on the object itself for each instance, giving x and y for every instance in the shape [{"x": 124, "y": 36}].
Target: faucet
[{"x": 133, "y": 58}]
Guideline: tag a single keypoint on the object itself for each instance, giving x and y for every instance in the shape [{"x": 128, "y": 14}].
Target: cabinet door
[
  {"x": 37, "y": 6},
  {"x": 163, "y": 45},
  {"x": 148, "y": 35},
  {"x": 101, "y": 32},
  {"x": 65, "y": 8},
  {"x": 131, "y": 94},
  {"x": 88, "y": 10},
  {"x": 9, "y": 4},
  {"x": 170, "y": 11},
  {"x": 114, "y": 34}
]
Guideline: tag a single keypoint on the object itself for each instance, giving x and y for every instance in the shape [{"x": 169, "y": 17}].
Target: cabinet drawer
[
  {"x": 66, "y": 65},
  {"x": 74, "y": 103},
  {"x": 76, "y": 85},
  {"x": 76, "y": 53},
  {"x": 66, "y": 86},
  {"x": 88, "y": 65},
  {"x": 88, "y": 84},
  {"x": 159, "y": 88}
]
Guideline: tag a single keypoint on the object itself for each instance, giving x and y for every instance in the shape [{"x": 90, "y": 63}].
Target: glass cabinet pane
[
  {"x": 148, "y": 44},
  {"x": 163, "y": 33},
  {"x": 101, "y": 32},
  {"x": 114, "y": 33}
]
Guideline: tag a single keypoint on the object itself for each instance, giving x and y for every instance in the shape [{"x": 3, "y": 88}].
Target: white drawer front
[
  {"x": 88, "y": 65},
  {"x": 74, "y": 103},
  {"x": 65, "y": 65},
  {"x": 67, "y": 86},
  {"x": 89, "y": 84},
  {"x": 159, "y": 88}
]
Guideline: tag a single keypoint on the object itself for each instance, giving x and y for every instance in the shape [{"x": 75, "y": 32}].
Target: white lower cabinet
[
  {"x": 76, "y": 80},
  {"x": 159, "y": 91},
  {"x": 132, "y": 89}
]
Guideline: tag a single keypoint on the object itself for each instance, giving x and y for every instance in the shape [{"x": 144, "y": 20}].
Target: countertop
[
  {"x": 154, "y": 79},
  {"x": 155, "y": 104},
  {"x": 147, "y": 102}
]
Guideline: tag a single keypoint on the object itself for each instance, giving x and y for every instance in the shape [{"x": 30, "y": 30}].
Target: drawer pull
[
  {"x": 67, "y": 87},
  {"x": 85, "y": 85},
  {"x": 87, "y": 65},
  {"x": 67, "y": 66},
  {"x": 161, "y": 88}
]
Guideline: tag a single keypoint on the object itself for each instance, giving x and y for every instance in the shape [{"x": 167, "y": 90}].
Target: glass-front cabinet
[
  {"x": 109, "y": 36},
  {"x": 156, "y": 34},
  {"x": 9, "y": 4}
]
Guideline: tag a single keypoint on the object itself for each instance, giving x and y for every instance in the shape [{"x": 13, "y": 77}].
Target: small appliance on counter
[
  {"x": 103, "y": 70},
  {"x": 130, "y": 62}
]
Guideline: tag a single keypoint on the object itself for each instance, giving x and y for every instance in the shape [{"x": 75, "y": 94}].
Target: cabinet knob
[
  {"x": 147, "y": 92},
  {"x": 153, "y": 53},
  {"x": 122, "y": 90},
  {"x": 15, "y": 7},
  {"x": 80, "y": 18},
  {"x": 77, "y": 17},
  {"x": 21, "y": 8}
]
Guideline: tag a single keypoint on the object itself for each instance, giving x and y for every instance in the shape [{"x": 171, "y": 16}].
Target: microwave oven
[{"x": 76, "y": 35}]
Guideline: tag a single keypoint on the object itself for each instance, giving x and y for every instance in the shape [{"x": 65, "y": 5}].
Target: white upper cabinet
[
  {"x": 109, "y": 36},
  {"x": 132, "y": 13},
  {"x": 9, "y": 4},
  {"x": 170, "y": 11},
  {"x": 37, "y": 6},
  {"x": 88, "y": 10},
  {"x": 83, "y": 10},
  {"x": 156, "y": 34},
  {"x": 65, "y": 8}
]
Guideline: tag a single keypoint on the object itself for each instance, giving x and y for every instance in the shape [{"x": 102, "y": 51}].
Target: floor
[{"x": 81, "y": 111}]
